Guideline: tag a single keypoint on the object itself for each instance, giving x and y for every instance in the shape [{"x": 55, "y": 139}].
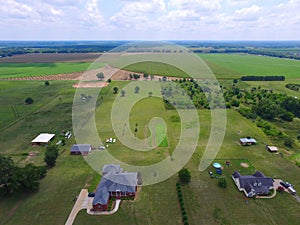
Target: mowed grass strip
[
  {"x": 232, "y": 66},
  {"x": 161, "y": 135},
  {"x": 13, "y": 70}
]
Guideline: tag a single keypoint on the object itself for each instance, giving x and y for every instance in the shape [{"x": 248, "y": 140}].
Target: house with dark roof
[
  {"x": 256, "y": 184},
  {"x": 115, "y": 183},
  {"x": 83, "y": 149}
]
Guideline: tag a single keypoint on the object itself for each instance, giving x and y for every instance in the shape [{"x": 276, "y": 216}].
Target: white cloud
[
  {"x": 133, "y": 19},
  {"x": 197, "y": 5},
  {"x": 248, "y": 14}
]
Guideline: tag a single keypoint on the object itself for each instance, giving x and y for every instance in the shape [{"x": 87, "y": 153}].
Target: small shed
[
  {"x": 248, "y": 141},
  {"x": 272, "y": 148},
  {"x": 42, "y": 138},
  {"x": 83, "y": 149}
]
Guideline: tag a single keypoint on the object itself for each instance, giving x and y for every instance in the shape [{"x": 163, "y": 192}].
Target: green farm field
[
  {"x": 205, "y": 202},
  {"x": 13, "y": 70},
  {"x": 231, "y": 66},
  {"x": 156, "y": 68}
]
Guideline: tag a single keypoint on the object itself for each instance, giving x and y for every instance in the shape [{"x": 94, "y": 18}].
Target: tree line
[{"x": 262, "y": 78}]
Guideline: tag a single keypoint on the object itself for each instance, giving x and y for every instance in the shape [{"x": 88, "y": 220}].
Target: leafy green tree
[
  {"x": 136, "y": 76},
  {"x": 288, "y": 142},
  {"x": 51, "y": 155},
  {"x": 136, "y": 89},
  {"x": 15, "y": 179},
  {"x": 115, "y": 89},
  {"x": 184, "y": 176},
  {"x": 28, "y": 101},
  {"x": 47, "y": 83},
  {"x": 146, "y": 76},
  {"x": 222, "y": 182},
  {"x": 7, "y": 176},
  {"x": 28, "y": 177},
  {"x": 123, "y": 92},
  {"x": 100, "y": 76},
  {"x": 266, "y": 109},
  {"x": 292, "y": 105},
  {"x": 287, "y": 116}
]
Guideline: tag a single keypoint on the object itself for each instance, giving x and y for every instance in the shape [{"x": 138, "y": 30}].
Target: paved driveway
[{"x": 82, "y": 202}]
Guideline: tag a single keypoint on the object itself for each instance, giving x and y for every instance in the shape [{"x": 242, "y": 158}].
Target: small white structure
[
  {"x": 43, "y": 138},
  {"x": 247, "y": 141},
  {"x": 272, "y": 148}
]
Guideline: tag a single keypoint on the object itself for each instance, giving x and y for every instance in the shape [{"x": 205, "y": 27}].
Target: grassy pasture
[
  {"x": 205, "y": 202},
  {"x": 230, "y": 66},
  {"x": 12, "y": 70},
  {"x": 156, "y": 68}
]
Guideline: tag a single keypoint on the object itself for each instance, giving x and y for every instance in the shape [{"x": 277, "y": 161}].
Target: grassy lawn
[
  {"x": 8, "y": 70},
  {"x": 205, "y": 202},
  {"x": 230, "y": 66},
  {"x": 156, "y": 68}
]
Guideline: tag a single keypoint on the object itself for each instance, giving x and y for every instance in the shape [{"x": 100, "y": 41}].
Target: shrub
[
  {"x": 184, "y": 176},
  {"x": 28, "y": 101},
  {"x": 288, "y": 142},
  {"x": 222, "y": 182}
]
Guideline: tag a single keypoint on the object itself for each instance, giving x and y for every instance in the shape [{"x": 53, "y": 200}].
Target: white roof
[
  {"x": 272, "y": 148},
  {"x": 43, "y": 138}
]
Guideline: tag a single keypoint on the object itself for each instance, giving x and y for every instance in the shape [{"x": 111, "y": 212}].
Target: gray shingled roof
[
  {"x": 257, "y": 182},
  {"x": 102, "y": 194},
  {"x": 114, "y": 179},
  {"x": 81, "y": 148},
  {"x": 111, "y": 168}
]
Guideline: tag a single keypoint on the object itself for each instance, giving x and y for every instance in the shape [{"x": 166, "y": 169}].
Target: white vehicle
[{"x": 291, "y": 190}]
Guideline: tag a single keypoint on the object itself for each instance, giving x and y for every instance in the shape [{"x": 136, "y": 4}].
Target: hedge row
[
  {"x": 263, "y": 78},
  {"x": 181, "y": 203}
]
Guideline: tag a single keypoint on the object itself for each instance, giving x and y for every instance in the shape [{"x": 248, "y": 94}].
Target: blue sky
[{"x": 149, "y": 20}]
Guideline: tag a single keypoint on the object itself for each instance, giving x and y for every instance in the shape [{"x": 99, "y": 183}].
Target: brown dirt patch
[
  {"x": 86, "y": 84},
  {"x": 245, "y": 165}
]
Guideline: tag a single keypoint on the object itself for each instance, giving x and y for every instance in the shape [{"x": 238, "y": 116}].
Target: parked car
[
  {"x": 292, "y": 190},
  {"x": 91, "y": 194},
  {"x": 286, "y": 184}
]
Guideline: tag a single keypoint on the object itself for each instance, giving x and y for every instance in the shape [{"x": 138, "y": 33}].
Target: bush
[
  {"x": 184, "y": 176},
  {"x": 28, "y": 101},
  {"x": 288, "y": 142},
  {"x": 222, "y": 182},
  {"x": 47, "y": 83}
]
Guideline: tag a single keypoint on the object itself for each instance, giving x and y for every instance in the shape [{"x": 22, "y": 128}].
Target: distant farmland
[
  {"x": 12, "y": 70},
  {"x": 229, "y": 66},
  {"x": 51, "y": 57}
]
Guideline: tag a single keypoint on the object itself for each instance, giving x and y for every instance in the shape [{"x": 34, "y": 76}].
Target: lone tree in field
[
  {"x": 184, "y": 176},
  {"x": 28, "y": 101},
  {"x": 222, "y": 182},
  {"x": 51, "y": 155},
  {"x": 47, "y": 83},
  {"x": 115, "y": 89},
  {"x": 100, "y": 76},
  {"x": 123, "y": 93},
  {"x": 136, "y": 89}
]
